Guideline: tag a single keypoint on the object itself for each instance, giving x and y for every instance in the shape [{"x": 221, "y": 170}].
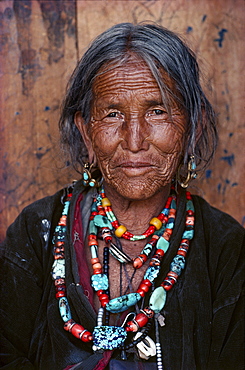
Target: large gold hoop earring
[
  {"x": 191, "y": 173},
  {"x": 87, "y": 176}
]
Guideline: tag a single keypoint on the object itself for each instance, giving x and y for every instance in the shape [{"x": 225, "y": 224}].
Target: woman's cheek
[{"x": 169, "y": 140}]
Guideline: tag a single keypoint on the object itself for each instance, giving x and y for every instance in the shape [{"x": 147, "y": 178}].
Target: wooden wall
[{"x": 40, "y": 43}]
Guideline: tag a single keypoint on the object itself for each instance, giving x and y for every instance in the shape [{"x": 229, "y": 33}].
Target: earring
[
  {"x": 87, "y": 176},
  {"x": 191, "y": 173}
]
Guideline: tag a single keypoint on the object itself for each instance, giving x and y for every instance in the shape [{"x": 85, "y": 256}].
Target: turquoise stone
[
  {"x": 158, "y": 299},
  {"x": 160, "y": 231},
  {"x": 94, "y": 251},
  {"x": 85, "y": 176},
  {"x": 92, "y": 228},
  {"x": 152, "y": 273},
  {"x": 91, "y": 184},
  {"x": 66, "y": 207},
  {"x": 109, "y": 337},
  {"x": 170, "y": 225},
  {"x": 58, "y": 269},
  {"x": 147, "y": 249},
  {"x": 178, "y": 264},
  {"x": 120, "y": 304},
  {"x": 188, "y": 234},
  {"x": 173, "y": 204},
  {"x": 64, "y": 308},
  {"x": 190, "y": 206},
  {"x": 162, "y": 244},
  {"x": 99, "y": 282},
  {"x": 102, "y": 221}
]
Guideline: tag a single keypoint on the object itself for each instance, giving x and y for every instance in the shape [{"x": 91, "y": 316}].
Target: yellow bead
[
  {"x": 156, "y": 222},
  {"x": 105, "y": 202},
  {"x": 120, "y": 231}
]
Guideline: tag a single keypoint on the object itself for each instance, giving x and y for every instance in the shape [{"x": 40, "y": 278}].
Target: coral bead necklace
[{"x": 103, "y": 222}]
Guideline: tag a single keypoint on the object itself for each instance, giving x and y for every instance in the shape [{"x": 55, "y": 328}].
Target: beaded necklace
[{"x": 107, "y": 337}]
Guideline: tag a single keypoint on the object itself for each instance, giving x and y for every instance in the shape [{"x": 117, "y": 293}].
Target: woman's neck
[{"x": 136, "y": 214}]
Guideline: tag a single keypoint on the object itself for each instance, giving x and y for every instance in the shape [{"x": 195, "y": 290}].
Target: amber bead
[
  {"x": 156, "y": 222},
  {"x": 120, "y": 231},
  {"x": 105, "y": 202}
]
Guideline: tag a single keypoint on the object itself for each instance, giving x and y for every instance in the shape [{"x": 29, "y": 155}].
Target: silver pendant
[
  {"x": 160, "y": 318},
  {"x": 146, "y": 348}
]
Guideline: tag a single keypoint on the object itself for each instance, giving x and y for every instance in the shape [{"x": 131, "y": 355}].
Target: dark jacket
[{"x": 204, "y": 314}]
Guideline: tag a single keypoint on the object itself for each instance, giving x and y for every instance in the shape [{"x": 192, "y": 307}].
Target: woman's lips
[
  {"x": 135, "y": 168},
  {"x": 135, "y": 164}
]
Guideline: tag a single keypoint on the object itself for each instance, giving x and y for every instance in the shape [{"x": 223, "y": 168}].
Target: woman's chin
[{"x": 137, "y": 188}]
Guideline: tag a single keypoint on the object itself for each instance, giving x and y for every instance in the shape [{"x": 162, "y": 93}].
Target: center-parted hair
[{"x": 161, "y": 49}]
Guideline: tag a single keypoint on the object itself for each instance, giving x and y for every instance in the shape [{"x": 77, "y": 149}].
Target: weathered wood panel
[
  {"x": 40, "y": 43},
  {"x": 38, "y": 53}
]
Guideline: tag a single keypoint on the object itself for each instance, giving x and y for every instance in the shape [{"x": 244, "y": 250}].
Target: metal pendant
[{"x": 146, "y": 348}]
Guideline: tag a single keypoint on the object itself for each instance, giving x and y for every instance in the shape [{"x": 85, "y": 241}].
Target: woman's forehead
[{"x": 132, "y": 75}]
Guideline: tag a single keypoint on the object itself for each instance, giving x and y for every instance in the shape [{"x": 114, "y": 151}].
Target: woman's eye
[
  {"x": 117, "y": 115},
  {"x": 158, "y": 111},
  {"x": 112, "y": 114}
]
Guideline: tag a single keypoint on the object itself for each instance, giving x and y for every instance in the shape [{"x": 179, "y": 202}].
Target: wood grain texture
[{"x": 40, "y": 44}]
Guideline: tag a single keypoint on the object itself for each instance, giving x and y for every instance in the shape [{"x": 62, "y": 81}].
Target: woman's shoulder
[{"x": 217, "y": 223}]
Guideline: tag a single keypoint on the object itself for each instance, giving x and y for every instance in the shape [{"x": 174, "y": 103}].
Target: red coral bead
[
  {"x": 104, "y": 299},
  {"x": 141, "y": 319},
  {"x": 79, "y": 332},
  {"x": 147, "y": 282},
  {"x": 141, "y": 292},
  {"x": 60, "y": 294},
  {"x": 132, "y": 326},
  {"x": 99, "y": 292},
  {"x": 182, "y": 253}
]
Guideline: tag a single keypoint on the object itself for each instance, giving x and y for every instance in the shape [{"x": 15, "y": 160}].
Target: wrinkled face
[{"x": 136, "y": 143}]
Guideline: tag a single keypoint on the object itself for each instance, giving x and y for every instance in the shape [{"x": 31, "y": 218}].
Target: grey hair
[{"x": 161, "y": 49}]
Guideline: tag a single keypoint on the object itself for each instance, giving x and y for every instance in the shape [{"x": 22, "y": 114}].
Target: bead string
[
  {"x": 163, "y": 222},
  {"x": 121, "y": 231},
  {"x": 100, "y": 281},
  {"x": 158, "y": 296}
]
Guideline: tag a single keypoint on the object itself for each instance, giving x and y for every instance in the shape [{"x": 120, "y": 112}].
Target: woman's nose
[{"x": 135, "y": 132}]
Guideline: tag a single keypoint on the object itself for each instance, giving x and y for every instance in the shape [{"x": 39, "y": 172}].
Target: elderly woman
[{"x": 126, "y": 269}]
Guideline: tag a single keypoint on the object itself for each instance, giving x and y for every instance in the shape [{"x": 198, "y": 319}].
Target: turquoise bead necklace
[{"x": 107, "y": 337}]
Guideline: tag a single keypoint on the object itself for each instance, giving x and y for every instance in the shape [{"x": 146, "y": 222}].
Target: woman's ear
[{"x": 83, "y": 129}]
